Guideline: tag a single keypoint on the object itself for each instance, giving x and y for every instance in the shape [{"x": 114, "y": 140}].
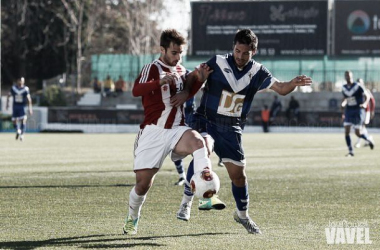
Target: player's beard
[
  {"x": 240, "y": 63},
  {"x": 169, "y": 62}
]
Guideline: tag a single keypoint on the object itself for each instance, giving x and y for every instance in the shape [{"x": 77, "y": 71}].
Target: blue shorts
[
  {"x": 354, "y": 117},
  {"x": 228, "y": 142},
  {"x": 18, "y": 112}
]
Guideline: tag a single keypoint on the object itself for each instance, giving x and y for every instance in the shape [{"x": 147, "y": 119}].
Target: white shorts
[{"x": 154, "y": 143}]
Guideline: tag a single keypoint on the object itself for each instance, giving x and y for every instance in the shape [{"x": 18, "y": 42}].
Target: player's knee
[
  {"x": 239, "y": 180},
  {"x": 198, "y": 143},
  {"x": 142, "y": 188}
]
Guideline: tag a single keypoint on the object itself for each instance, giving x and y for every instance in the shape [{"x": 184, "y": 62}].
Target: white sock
[
  {"x": 135, "y": 203},
  {"x": 187, "y": 199},
  {"x": 182, "y": 176},
  {"x": 365, "y": 131},
  {"x": 201, "y": 160},
  {"x": 242, "y": 214}
]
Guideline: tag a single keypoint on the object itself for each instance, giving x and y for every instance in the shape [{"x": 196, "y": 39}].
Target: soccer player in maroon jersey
[
  {"x": 369, "y": 114},
  {"x": 163, "y": 130}
]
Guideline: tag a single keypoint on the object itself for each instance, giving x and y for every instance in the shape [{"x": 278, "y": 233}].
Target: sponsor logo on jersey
[
  {"x": 231, "y": 104},
  {"x": 227, "y": 70}
]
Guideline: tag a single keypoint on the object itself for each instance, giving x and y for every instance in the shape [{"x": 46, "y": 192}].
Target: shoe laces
[
  {"x": 250, "y": 224},
  {"x": 130, "y": 224},
  {"x": 185, "y": 207}
]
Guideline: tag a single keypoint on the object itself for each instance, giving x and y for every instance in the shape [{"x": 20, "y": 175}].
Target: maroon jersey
[
  {"x": 371, "y": 104},
  {"x": 156, "y": 98}
]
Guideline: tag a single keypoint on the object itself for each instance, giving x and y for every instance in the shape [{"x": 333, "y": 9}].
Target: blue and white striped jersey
[
  {"x": 229, "y": 91},
  {"x": 19, "y": 95},
  {"x": 354, "y": 95}
]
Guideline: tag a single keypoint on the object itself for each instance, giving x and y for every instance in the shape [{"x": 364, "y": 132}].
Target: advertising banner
[
  {"x": 283, "y": 28},
  {"x": 357, "y": 28}
]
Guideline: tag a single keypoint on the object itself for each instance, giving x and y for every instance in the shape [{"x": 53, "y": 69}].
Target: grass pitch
[{"x": 70, "y": 191}]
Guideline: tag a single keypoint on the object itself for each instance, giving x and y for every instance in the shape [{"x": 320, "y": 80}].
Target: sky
[{"x": 179, "y": 16}]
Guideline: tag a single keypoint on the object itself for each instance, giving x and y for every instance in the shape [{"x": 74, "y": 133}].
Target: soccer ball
[{"x": 205, "y": 183}]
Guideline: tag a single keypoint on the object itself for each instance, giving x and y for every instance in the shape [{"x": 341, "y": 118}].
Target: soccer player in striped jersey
[
  {"x": 21, "y": 98},
  {"x": 163, "y": 130},
  {"x": 355, "y": 100},
  {"x": 225, "y": 104},
  {"x": 369, "y": 114}
]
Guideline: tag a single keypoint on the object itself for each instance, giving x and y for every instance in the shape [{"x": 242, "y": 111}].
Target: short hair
[
  {"x": 171, "y": 35},
  {"x": 20, "y": 78},
  {"x": 246, "y": 36}
]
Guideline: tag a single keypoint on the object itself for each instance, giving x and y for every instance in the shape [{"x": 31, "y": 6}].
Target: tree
[{"x": 44, "y": 38}]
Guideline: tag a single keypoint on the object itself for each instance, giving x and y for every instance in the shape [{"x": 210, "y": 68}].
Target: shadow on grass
[
  {"x": 93, "y": 241},
  {"x": 69, "y": 186}
]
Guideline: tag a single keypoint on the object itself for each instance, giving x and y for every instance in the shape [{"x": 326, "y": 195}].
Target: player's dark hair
[
  {"x": 246, "y": 36},
  {"x": 171, "y": 35}
]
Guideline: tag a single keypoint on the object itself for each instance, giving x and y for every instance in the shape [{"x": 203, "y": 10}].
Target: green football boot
[
  {"x": 211, "y": 203},
  {"x": 130, "y": 226}
]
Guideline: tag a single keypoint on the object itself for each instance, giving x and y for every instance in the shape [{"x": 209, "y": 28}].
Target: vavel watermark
[{"x": 345, "y": 232}]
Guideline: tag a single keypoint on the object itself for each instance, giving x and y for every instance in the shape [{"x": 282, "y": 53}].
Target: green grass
[{"x": 71, "y": 191}]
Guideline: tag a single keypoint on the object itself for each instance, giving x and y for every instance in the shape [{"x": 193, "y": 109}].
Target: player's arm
[
  {"x": 193, "y": 83},
  {"x": 7, "y": 104},
  {"x": 343, "y": 105},
  {"x": 30, "y": 106},
  {"x": 148, "y": 81},
  {"x": 284, "y": 88}
]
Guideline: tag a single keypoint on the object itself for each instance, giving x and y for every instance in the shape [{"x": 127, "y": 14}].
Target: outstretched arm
[{"x": 284, "y": 88}]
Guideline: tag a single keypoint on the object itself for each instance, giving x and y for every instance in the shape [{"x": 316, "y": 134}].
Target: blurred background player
[
  {"x": 275, "y": 109},
  {"x": 293, "y": 110},
  {"x": 355, "y": 100},
  {"x": 120, "y": 85},
  {"x": 222, "y": 113},
  {"x": 369, "y": 114},
  {"x": 21, "y": 97},
  {"x": 97, "y": 85},
  {"x": 109, "y": 86},
  {"x": 265, "y": 116}
]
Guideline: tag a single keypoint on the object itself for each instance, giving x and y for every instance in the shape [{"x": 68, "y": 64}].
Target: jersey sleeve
[
  {"x": 361, "y": 89},
  {"x": 197, "y": 84},
  {"x": 147, "y": 81},
  {"x": 266, "y": 79},
  {"x": 212, "y": 62}
]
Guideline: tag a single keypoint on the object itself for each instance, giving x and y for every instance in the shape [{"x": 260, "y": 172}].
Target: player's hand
[
  {"x": 179, "y": 98},
  {"x": 302, "y": 81},
  {"x": 169, "y": 78},
  {"x": 363, "y": 105},
  {"x": 31, "y": 111},
  {"x": 203, "y": 72}
]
